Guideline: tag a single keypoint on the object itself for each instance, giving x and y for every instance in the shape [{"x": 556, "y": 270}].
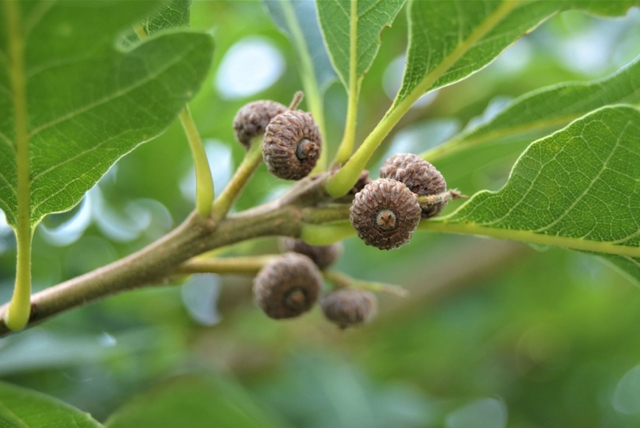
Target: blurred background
[{"x": 494, "y": 334}]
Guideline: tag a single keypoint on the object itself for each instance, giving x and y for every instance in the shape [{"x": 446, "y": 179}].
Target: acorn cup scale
[
  {"x": 385, "y": 213},
  {"x": 252, "y": 119},
  {"x": 348, "y": 307},
  {"x": 292, "y": 145},
  {"x": 288, "y": 286},
  {"x": 322, "y": 255},
  {"x": 419, "y": 176}
]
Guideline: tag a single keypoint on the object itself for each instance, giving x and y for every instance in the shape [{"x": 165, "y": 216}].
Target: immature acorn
[
  {"x": 288, "y": 286},
  {"x": 291, "y": 145},
  {"x": 322, "y": 255},
  {"x": 419, "y": 176},
  {"x": 363, "y": 180},
  {"x": 385, "y": 214},
  {"x": 252, "y": 119},
  {"x": 349, "y": 307}
]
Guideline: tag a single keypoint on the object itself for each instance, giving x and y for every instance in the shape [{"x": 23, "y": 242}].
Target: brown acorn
[
  {"x": 347, "y": 307},
  {"x": 363, "y": 180},
  {"x": 419, "y": 176},
  {"x": 291, "y": 145},
  {"x": 385, "y": 214},
  {"x": 288, "y": 286},
  {"x": 252, "y": 119},
  {"x": 322, "y": 255}
]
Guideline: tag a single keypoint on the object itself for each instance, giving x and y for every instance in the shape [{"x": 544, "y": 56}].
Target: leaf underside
[
  {"x": 371, "y": 17},
  {"x": 580, "y": 185},
  {"x": 449, "y": 40},
  {"x": 89, "y": 102}
]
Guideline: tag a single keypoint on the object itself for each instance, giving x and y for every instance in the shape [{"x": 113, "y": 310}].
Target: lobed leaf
[
  {"x": 449, "y": 40},
  {"x": 89, "y": 102},
  {"x": 22, "y": 408},
  {"x": 352, "y": 32},
  {"x": 548, "y": 109},
  {"x": 578, "y": 188}
]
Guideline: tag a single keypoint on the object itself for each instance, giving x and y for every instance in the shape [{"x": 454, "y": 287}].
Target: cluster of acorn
[{"x": 384, "y": 212}]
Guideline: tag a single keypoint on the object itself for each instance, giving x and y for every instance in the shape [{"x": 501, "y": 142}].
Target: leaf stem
[
  {"x": 19, "y": 310},
  {"x": 340, "y": 183},
  {"x": 227, "y": 265},
  {"x": 243, "y": 174},
  {"x": 308, "y": 77},
  {"x": 529, "y": 237},
  {"x": 346, "y": 146},
  {"x": 340, "y": 280},
  {"x": 204, "y": 181}
]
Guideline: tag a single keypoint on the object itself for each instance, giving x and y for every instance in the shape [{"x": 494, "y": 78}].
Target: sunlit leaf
[
  {"x": 22, "y": 408},
  {"x": 449, "y": 40},
  {"x": 578, "y": 188},
  {"x": 352, "y": 32},
  {"x": 548, "y": 109},
  {"x": 88, "y": 103}
]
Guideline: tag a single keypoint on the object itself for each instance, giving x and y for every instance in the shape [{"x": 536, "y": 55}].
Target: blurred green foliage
[{"x": 495, "y": 333}]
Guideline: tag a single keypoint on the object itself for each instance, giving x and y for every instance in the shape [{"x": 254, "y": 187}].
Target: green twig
[
  {"x": 348, "y": 140},
  {"x": 249, "y": 265},
  {"x": 340, "y": 280},
  {"x": 245, "y": 171},
  {"x": 309, "y": 80},
  {"x": 204, "y": 181}
]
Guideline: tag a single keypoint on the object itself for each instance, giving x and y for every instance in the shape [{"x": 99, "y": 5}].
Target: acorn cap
[
  {"x": 418, "y": 175},
  {"x": 385, "y": 214},
  {"x": 291, "y": 145},
  {"x": 347, "y": 307},
  {"x": 322, "y": 255},
  {"x": 363, "y": 180},
  {"x": 253, "y": 118},
  {"x": 288, "y": 286}
]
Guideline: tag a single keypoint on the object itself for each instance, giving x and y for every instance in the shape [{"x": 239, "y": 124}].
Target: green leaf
[
  {"x": 449, "y": 40},
  {"x": 578, "y": 188},
  {"x": 88, "y": 103},
  {"x": 194, "y": 403},
  {"x": 22, "y": 408},
  {"x": 176, "y": 14},
  {"x": 548, "y": 109},
  {"x": 352, "y": 32},
  {"x": 299, "y": 21}
]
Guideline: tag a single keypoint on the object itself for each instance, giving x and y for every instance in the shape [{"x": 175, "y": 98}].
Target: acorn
[
  {"x": 419, "y": 176},
  {"x": 363, "y": 180},
  {"x": 347, "y": 307},
  {"x": 291, "y": 145},
  {"x": 322, "y": 255},
  {"x": 253, "y": 118},
  {"x": 385, "y": 214},
  {"x": 288, "y": 286}
]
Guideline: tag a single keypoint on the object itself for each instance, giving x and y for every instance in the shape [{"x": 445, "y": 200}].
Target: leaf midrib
[
  {"x": 125, "y": 91},
  {"x": 529, "y": 236}
]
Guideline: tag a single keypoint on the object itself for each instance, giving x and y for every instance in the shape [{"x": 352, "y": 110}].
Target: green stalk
[
  {"x": 245, "y": 171},
  {"x": 346, "y": 147},
  {"x": 340, "y": 183},
  {"x": 204, "y": 181},
  {"x": 309, "y": 81},
  {"x": 19, "y": 309}
]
